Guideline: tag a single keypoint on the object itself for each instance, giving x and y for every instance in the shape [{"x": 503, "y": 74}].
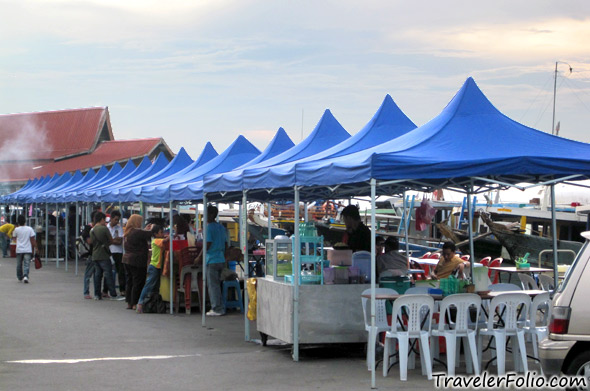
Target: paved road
[{"x": 99, "y": 345}]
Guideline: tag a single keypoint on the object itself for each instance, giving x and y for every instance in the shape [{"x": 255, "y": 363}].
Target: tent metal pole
[
  {"x": 57, "y": 235},
  {"x": 204, "y": 252},
  {"x": 244, "y": 246},
  {"x": 470, "y": 230},
  {"x": 77, "y": 234},
  {"x": 171, "y": 254},
  {"x": 554, "y": 236},
  {"x": 269, "y": 217},
  {"x": 305, "y": 212},
  {"x": 373, "y": 330},
  {"x": 296, "y": 275},
  {"x": 406, "y": 227},
  {"x": 67, "y": 226},
  {"x": 46, "y": 233}
]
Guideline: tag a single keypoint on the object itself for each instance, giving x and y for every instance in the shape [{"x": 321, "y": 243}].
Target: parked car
[{"x": 567, "y": 348}]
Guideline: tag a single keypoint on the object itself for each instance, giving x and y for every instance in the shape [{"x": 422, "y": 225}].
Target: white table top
[{"x": 425, "y": 261}]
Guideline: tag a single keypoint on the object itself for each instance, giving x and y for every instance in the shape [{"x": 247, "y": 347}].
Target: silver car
[{"x": 567, "y": 348}]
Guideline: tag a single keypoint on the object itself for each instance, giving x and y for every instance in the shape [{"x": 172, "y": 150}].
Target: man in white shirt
[
  {"x": 117, "y": 248},
  {"x": 25, "y": 244}
]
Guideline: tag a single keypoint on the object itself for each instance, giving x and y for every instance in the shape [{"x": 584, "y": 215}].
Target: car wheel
[{"x": 580, "y": 366}]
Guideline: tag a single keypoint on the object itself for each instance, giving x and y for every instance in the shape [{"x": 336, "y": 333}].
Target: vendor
[
  {"x": 392, "y": 263},
  {"x": 357, "y": 236},
  {"x": 449, "y": 263}
]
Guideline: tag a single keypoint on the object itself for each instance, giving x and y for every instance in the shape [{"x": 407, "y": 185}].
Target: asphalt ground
[{"x": 51, "y": 338}]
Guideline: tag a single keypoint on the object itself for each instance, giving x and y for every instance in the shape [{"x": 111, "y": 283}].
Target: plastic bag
[{"x": 251, "y": 287}]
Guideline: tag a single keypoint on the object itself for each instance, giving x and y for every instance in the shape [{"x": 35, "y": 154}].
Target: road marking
[{"x": 81, "y": 360}]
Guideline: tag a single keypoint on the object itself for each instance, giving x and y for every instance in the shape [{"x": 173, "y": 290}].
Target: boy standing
[
  {"x": 159, "y": 243},
  {"x": 25, "y": 243}
]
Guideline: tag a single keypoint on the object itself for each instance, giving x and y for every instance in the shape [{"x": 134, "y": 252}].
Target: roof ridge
[{"x": 57, "y": 111}]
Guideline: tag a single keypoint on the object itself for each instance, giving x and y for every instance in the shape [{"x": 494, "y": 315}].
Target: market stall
[{"x": 328, "y": 312}]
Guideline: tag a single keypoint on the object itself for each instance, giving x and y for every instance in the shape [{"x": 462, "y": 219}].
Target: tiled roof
[
  {"x": 53, "y": 134},
  {"x": 107, "y": 152}
]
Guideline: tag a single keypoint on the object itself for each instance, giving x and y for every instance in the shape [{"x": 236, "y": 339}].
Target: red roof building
[{"x": 38, "y": 144}]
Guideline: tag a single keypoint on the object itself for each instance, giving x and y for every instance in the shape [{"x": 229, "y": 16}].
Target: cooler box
[{"x": 400, "y": 284}]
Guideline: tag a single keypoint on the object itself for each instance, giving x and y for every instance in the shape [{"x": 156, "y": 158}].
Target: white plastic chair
[
  {"x": 528, "y": 282},
  {"x": 537, "y": 326},
  {"x": 508, "y": 306},
  {"x": 411, "y": 306},
  {"x": 546, "y": 282},
  {"x": 381, "y": 324},
  {"x": 462, "y": 327}
]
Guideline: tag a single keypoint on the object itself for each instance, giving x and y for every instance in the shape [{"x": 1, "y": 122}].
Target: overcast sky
[{"x": 198, "y": 71}]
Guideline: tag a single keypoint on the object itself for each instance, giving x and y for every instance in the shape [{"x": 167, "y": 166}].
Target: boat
[{"x": 518, "y": 244}]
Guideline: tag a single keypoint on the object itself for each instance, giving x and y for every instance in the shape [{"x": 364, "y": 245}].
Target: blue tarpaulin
[
  {"x": 388, "y": 123},
  {"x": 327, "y": 133},
  {"x": 174, "y": 187}
]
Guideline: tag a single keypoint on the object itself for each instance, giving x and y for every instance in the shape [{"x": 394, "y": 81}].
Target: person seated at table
[
  {"x": 357, "y": 236},
  {"x": 392, "y": 263},
  {"x": 450, "y": 263}
]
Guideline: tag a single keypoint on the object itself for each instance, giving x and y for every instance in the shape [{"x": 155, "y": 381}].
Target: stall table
[
  {"x": 327, "y": 313},
  {"x": 513, "y": 269}
]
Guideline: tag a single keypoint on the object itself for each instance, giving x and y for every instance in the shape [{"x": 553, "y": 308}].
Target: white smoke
[{"x": 24, "y": 142}]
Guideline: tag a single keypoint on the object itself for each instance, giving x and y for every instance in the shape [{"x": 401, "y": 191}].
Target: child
[{"x": 159, "y": 243}]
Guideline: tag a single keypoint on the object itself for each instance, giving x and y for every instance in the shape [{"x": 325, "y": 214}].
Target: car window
[{"x": 570, "y": 271}]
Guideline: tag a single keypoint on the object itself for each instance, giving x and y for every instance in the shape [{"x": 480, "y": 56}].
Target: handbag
[{"x": 38, "y": 264}]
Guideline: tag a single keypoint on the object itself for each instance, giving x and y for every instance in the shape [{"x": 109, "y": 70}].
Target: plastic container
[
  {"x": 400, "y": 284},
  {"x": 328, "y": 275},
  {"x": 354, "y": 275}
]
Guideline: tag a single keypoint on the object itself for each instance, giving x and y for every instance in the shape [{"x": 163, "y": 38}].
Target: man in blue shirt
[{"x": 215, "y": 258}]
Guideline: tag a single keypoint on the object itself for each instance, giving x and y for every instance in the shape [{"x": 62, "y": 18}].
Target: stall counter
[{"x": 327, "y": 313}]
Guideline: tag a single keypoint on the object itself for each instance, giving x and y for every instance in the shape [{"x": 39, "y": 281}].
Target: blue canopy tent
[
  {"x": 113, "y": 176},
  {"x": 122, "y": 191},
  {"x": 279, "y": 144},
  {"x": 76, "y": 178},
  {"x": 32, "y": 184},
  {"x": 111, "y": 194},
  {"x": 55, "y": 180},
  {"x": 327, "y": 133},
  {"x": 388, "y": 123},
  {"x": 238, "y": 153},
  {"x": 94, "y": 194},
  {"x": 101, "y": 174},
  {"x": 70, "y": 194}
]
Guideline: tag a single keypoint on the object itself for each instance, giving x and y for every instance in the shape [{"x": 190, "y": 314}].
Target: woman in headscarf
[{"x": 135, "y": 259}]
